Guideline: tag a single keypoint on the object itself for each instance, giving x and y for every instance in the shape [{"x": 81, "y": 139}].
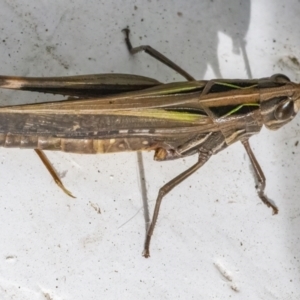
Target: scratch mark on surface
[
  {"x": 33, "y": 23},
  {"x": 11, "y": 258},
  {"x": 96, "y": 207},
  {"x": 123, "y": 224},
  {"x": 291, "y": 63},
  {"x": 49, "y": 295},
  {"x": 51, "y": 51},
  {"x": 15, "y": 290},
  {"x": 227, "y": 275}
]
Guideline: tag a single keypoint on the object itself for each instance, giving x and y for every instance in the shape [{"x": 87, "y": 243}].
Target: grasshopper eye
[{"x": 284, "y": 110}]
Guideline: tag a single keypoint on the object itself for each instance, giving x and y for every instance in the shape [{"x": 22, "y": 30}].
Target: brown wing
[
  {"x": 80, "y": 86},
  {"x": 170, "y": 114}
]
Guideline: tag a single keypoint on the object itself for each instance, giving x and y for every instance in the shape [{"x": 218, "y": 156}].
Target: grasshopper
[{"x": 120, "y": 112}]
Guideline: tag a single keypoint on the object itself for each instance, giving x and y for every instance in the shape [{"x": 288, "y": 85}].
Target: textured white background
[{"x": 214, "y": 238}]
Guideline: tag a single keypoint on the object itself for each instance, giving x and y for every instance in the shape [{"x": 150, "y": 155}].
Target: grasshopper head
[{"x": 282, "y": 106}]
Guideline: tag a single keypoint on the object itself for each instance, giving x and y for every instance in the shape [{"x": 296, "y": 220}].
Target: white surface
[{"x": 214, "y": 238}]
